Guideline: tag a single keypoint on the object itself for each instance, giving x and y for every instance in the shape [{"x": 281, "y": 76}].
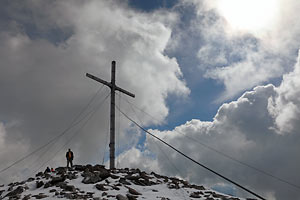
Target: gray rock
[
  {"x": 114, "y": 176},
  {"x": 131, "y": 197},
  {"x": 121, "y": 197},
  {"x": 39, "y": 174},
  {"x": 91, "y": 179},
  {"x": 71, "y": 196},
  {"x": 196, "y": 195},
  {"x": 101, "y": 187},
  {"x": 197, "y": 187},
  {"x": 131, "y": 177},
  {"x": 56, "y": 180},
  {"x": 15, "y": 192},
  {"x": 61, "y": 170},
  {"x": 115, "y": 187},
  {"x": 70, "y": 188},
  {"x": 52, "y": 190},
  {"x": 11, "y": 188},
  {"x": 27, "y": 197},
  {"x": 104, "y": 193},
  {"x": 40, "y": 196},
  {"x": 48, "y": 184},
  {"x": 39, "y": 184},
  {"x": 71, "y": 176},
  {"x": 104, "y": 174},
  {"x": 123, "y": 181},
  {"x": 62, "y": 185},
  {"x": 133, "y": 191},
  {"x": 79, "y": 167},
  {"x": 30, "y": 179},
  {"x": 99, "y": 168}
]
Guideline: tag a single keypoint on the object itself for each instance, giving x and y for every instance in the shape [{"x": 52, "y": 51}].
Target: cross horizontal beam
[
  {"x": 99, "y": 80},
  {"x": 109, "y": 84}
]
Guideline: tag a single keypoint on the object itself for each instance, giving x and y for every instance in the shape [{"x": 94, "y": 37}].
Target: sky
[{"x": 213, "y": 72}]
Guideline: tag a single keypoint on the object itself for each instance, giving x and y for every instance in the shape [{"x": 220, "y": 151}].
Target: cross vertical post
[
  {"x": 112, "y": 116},
  {"x": 113, "y": 88}
]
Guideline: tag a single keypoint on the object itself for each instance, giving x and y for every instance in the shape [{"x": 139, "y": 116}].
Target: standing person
[
  {"x": 47, "y": 170},
  {"x": 69, "y": 156}
]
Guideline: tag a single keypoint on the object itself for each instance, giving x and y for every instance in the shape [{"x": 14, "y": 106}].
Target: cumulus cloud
[
  {"x": 285, "y": 106},
  {"x": 259, "y": 128},
  {"x": 239, "y": 59},
  {"x": 48, "y": 46},
  {"x": 138, "y": 159}
]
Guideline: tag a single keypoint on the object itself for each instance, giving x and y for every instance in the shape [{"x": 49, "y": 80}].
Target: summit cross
[{"x": 113, "y": 88}]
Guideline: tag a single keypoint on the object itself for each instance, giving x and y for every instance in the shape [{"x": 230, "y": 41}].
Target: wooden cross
[{"x": 113, "y": 88}]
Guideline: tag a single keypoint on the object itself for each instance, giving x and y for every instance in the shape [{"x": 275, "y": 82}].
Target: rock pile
[{"x": 97, "y": 182}]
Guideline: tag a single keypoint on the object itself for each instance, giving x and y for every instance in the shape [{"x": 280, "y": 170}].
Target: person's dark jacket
[{"x": 69, "y": 157}]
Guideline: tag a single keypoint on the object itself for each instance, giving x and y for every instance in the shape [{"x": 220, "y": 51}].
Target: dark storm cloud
[{"x": 46, "y": 49}]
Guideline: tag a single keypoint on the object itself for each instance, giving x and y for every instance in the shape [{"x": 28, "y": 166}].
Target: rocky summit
[{"x": 98, "y": 183}]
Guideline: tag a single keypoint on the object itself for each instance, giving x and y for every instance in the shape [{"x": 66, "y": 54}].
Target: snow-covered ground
[{"x": 96, "y": 182}]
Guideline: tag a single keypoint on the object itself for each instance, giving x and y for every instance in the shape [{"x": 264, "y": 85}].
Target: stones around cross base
[{"x": 128, "y": 177}]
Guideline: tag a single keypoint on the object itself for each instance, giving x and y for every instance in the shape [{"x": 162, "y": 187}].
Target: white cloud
[
  {"x": 137, "y": 159},
  {"x": 260, "y": 128},
  {"x": 243, "y": 59},
  {"x": 285, "y": 106}
]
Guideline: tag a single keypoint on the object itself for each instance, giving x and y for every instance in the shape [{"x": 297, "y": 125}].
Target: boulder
[
  {"x": 133, "y": 191},
  {"x": 70, "y": 188},
  {"x": 104, "y": 174},
  {"x": 27, "y": 197},
  {"x": 71, "y": 176},
  {"x": 56, "y": 180},
  {"x": 98, "y": 168},
  {"x": 196, "y": 195},
  {"x": 131, "y": 197},
  {"x": 101, "y": 187},
  {"x": 39, "y": 174},
  {"x": 131, "y": 177},
  {"x": 114, "y": 176},
  {"x": 121, "y": 197},
  {"x": 48, "y": 184},
  {"x": 61, "y": 170},
  {"x": 40, "y": 196},
  {"x": 197, "y": 187},
  {"x": 123, "y": 181},
  {"x": 39, "y": 184},
  {"x": 115, "y": 187},
  {"x": 80, "y": 168},
  {"x": 91, "y": 179},
  {"x": 15, "y": 192},
  {"x": 30, "y": 179}
]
